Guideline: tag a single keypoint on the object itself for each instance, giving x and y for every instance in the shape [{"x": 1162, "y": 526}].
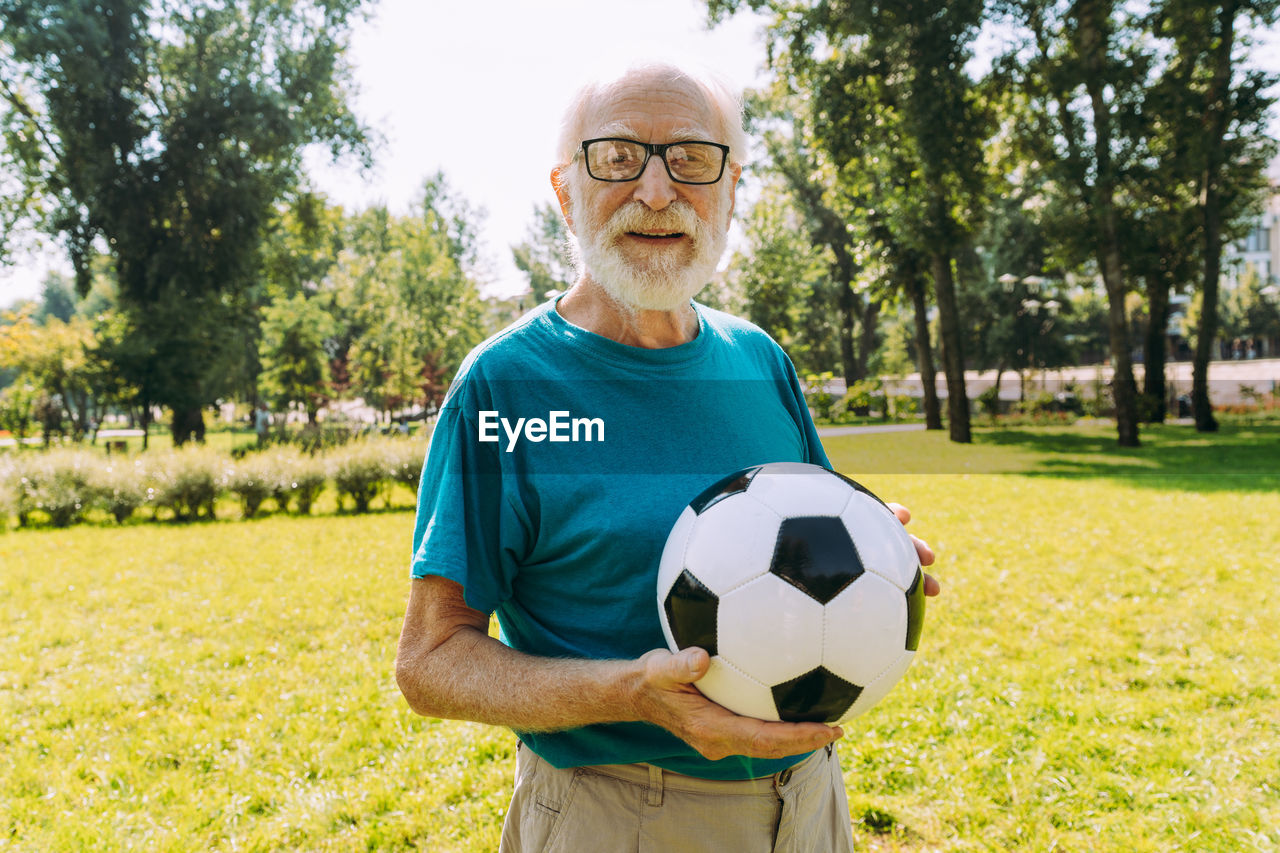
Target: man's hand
[
  {"x": 923, "y": 551},
  {"x": 668, "y": 698}
]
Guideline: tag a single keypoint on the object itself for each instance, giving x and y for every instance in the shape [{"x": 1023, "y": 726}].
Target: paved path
[
  {"x": 866, "y": 428},
  {"x": 1226, "y": 379}
]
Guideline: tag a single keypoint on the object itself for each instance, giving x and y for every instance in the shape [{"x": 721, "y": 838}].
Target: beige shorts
[{"x": 639, "y": 808}]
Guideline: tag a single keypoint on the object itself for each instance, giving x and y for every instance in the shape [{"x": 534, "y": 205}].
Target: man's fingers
[
  {"x": 922, "y": 547},
  {"x": 923, "y": 551},
  {"x": 686, "y": 666},
  {"x": 931, "y": 585},
  {"x": 760, "y": 739}
]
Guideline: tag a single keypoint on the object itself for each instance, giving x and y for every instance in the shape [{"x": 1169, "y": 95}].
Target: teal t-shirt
[{"x": 559, "y": 462}]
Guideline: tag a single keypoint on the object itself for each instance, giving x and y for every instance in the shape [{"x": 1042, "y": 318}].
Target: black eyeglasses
[{"x": 617, "y": 160}]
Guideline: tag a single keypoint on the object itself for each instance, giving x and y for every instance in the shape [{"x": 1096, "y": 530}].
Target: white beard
[{"x": 666, "y": 281}]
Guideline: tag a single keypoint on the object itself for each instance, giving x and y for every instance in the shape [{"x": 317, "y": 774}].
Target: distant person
[
  {"x": 618, "y": 751},
  {"x": 262, "y": 423}
]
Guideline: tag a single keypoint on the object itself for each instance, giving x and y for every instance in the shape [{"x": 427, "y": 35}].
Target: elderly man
[{"x": 567, "y": 447}]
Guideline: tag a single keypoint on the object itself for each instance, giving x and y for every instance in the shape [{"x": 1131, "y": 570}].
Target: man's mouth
[{"x": 656, "y": 235}]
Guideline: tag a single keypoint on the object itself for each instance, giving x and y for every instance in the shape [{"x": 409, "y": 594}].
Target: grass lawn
[{"x": 1099, "y": 673}]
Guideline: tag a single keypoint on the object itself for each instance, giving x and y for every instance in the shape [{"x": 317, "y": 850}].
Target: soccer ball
[{"x": 803, "y": 587}]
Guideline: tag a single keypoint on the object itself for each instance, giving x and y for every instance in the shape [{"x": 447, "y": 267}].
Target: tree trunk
[
  {"x": 924, "y": 352},
  {"x": 867, "y": 330},
  {"x": 848, "y": 322},
  {"x": 1201, "y": 405},
  {"x": 188, "y": 425},
  {"x": 1091, "y": 41},
  {"x": 1154, "y": 391},
  {"x": 1123, "y": 387},
  {"x": 952, "y": 350},
  {"x": 1215, "y": 129}
]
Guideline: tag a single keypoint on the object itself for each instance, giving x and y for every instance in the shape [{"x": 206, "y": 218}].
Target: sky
[{"x": 477, "y": 89}]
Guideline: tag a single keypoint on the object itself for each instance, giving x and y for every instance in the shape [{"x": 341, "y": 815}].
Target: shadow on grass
[{"x": 1236, "y": 458}]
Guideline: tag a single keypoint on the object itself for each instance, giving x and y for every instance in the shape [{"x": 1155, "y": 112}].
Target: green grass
[{"x": 1098, "y": 674}]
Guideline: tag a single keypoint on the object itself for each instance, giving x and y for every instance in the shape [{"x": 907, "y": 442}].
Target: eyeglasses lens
[
  {"x": 623, "y": 160},
  {"x": 695, "y": 162},
  {"x": 615, "y": 160}
]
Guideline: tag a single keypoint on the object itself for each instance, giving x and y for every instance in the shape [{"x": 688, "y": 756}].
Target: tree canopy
[{"x": 164, "y": 135}]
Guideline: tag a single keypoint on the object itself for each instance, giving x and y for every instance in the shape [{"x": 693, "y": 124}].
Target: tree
[
  {"x": 787, "y": 129},
  {"x": 57, "y": 299},
  {"x": 782, "y": 275},
  {"x": 859, "y": 63},
  {"x": 53, "y": 358},
  {"x": 1230, "y": 149},
  {"x": 166, "y": 133},
  {"x": 1015, "y": 311},
  {"x": 295, "y": 363},
  {"x": 406, "y": 299},
  {"x": 1079, "y": 75},
  {"x": 544, "y": 255}
]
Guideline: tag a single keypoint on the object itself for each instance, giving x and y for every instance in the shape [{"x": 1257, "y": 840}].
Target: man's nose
[{"x": 655, "y": 187}]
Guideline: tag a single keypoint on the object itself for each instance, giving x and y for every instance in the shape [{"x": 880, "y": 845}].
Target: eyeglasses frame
[{"x": 660, "y": 149}]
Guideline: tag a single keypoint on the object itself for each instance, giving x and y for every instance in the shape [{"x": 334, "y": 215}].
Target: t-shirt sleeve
[
  {"x": 466, "y": 529},
  {"x": 813, "y": 444}
]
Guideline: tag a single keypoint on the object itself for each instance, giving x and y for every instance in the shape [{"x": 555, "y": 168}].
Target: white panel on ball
[
  {"x": 882, "y": 542},
  {"x": 672, "y": 562},
  {"x": 726, "y": 685},
  {"x": 770, "y": 629},
  {"x": 791, "y": 489},
  {"x": 880, "y": 687},
  {"x": 732, "y": 543},
  {"x": 866, "y": 629}
]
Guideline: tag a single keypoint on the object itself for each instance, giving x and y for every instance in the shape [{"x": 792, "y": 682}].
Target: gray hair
[{"x": 724, "y": 102}]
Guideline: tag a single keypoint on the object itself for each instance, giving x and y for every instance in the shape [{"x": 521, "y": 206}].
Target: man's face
[{"x": 652, "y": 243}]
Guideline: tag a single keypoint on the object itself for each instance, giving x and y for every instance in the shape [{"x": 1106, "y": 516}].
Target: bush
[
  {"x": 8, "y": 492},
  {"x": 404, "y": 461},
  {"x": 1039, "y": 404},
  {"x": 1101, "y": 403},
  {"x": 119, "y": 487},
  {"x": 189, "y": 481},
  {"x": 862, "y": 396},
  {"x": 253, "y": 479},
  {"x": 62, "y": 485},
  {"x": 317, "y": 438},
  {"x": 55, "y": 483},
  {"x": 360, "y": 471},
  {"x": 905, "y": 405},
  {"x": 297, "y": 478},
  {"x": 989, "y": 401},
  {"x": 817, "y": 396}
]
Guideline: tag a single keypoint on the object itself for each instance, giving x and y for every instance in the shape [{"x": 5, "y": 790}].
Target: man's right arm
[{"x": 448, "y": 666}]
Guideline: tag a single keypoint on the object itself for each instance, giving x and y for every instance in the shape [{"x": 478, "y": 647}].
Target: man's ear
[
  {"x": 735, "y": 172},
  {"x": 562, "y": 194}
]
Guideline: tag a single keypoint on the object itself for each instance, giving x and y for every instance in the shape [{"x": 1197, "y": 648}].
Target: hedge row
[{"x": 61, "y": 486}]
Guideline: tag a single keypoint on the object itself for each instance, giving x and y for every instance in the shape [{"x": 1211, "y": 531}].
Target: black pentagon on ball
[
  {"x": 915, "y": 611},
  {"x": 691, "y": 613},
  {"x": 815, "y": 555},
  {"x": 721, "y": 489},
  {"x": 818, "y": 696}
]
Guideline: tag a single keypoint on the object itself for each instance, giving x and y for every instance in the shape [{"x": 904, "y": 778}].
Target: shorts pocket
[{"x": 542, "y": 796}]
